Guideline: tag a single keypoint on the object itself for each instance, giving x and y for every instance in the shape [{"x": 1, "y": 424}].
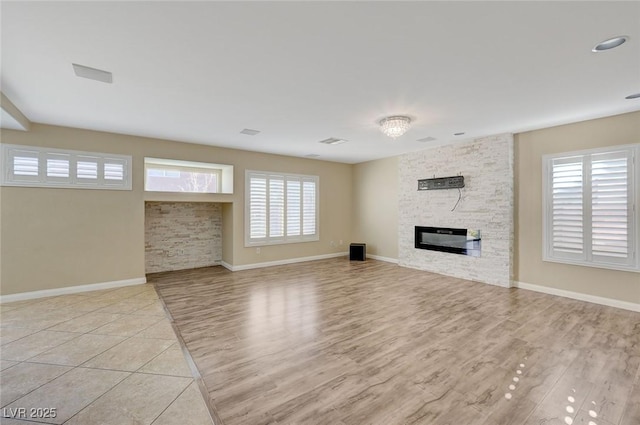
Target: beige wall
[
  {"x": 529, "y": 149},
  {"x": 375, "y": 206},
  {"x": 54, "y": 238}
]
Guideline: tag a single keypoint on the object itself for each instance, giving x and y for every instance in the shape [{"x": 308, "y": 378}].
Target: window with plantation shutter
[
  {"x": 280, "y": 208},
  {"x": 32, "y": 166},
  {"x": 590, "y": 208}
]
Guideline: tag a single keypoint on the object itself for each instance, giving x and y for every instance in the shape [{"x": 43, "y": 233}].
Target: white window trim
[
  {"x": 248, "y": 242},
  {"x": 7, "y": 178},
  {"x": 634, "y": 222}
]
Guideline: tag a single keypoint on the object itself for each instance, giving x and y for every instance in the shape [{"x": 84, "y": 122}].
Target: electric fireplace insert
[{"x": 447, "y": 239}]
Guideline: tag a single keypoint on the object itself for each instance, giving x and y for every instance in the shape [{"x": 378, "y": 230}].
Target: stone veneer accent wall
[
  {"x": 182, "y": 235},
  {"x": 487, "y": 204}
]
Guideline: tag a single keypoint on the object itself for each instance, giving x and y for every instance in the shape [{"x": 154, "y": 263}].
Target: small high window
[
  {"x": 33, "y": 166},
  {"x": 168, "y": 175}
]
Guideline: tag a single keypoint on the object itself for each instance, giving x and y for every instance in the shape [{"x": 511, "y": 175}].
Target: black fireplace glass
[{"x": 448, "y": 239}]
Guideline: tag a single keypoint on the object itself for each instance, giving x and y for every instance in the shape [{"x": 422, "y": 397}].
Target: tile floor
[{"x": 101, "y": 357}]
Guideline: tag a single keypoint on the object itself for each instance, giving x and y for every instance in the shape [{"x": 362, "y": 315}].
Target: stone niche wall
[
  {"x": 182, "y": 235},
  {"x": 487, "y": 204}
]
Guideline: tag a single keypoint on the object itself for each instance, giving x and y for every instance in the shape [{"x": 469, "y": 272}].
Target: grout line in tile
[
  {"x": 161, "y": 374},
  {"x": 18, "y": 339},
  {"x": 173, "y": 401},
  {"x": 155, "y": 357},
  {"x": 40, "y": 386},
  {"x": 101, "y": 395},
  {"x": 50, "y": 348},
  {"x": 83, "y": 315}
]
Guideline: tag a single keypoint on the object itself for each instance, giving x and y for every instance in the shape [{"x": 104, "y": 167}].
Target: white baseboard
[
  {"x": 625, "y": 305},
  {"x": 381, "y": 258},
  {"x": 71, "y": 290},
  {"x": 281, "y": 262}
]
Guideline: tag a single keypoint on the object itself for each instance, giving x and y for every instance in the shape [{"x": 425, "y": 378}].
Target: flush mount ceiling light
[
  {"x": 395, "y": 126},
  {"x": 633, "y": 96},
  {"x": 92, "y": 73},
  {"x": 611, "y": 43}
]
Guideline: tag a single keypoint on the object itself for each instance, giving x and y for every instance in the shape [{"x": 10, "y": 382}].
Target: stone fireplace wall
[
  {"x": 487, "y": 204},
  {"x": 182, "y": 235}
]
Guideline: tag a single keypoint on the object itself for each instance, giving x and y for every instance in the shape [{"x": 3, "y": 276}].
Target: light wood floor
[{"x": 352, "y": 343}]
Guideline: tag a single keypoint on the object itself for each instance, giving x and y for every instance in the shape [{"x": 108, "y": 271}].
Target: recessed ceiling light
[
  {"x": 458, "y": 134},
  {"x": 633, "y": 96},
  {"x": 312, "y": 155},
  {"x": 426, "y": 139},
  {"x": 249, "y": 132},
  {"x": 611, "y": 43},
  {"x": 92, "y": 73},
  {"x": 332, "y": 141}
]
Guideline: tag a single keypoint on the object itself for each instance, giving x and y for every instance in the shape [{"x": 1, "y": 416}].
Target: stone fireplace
[
  {"x": 486, "y": 203},
  {"x": 182, "y": 235}
]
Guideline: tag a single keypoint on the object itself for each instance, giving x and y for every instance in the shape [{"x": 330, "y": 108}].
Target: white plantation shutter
[
  {"x": 309, "y": 207},
  {"x": 590, "y": 215},
  {"x": 276, "y": 207},
  {"x": 58, "y": 167},
  {"x": 24, "y": 165},
  {"x": 294, "y": 203},
  {"x": 87, "y": 168},
  {"x": 113, "y": 170},
  {"x": 566, "y": 208},
  {"x": 280, "y": 208},
  {"x": 258, "y": 207},
  {"x": 610, "y": 213}
]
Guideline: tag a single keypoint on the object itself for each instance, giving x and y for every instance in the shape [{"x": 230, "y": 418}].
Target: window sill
[
  {"x": 616, "y": 267},
  {"x": 280, "y": 242}
]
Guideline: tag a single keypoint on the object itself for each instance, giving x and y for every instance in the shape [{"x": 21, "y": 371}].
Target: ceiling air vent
[
  {"x": 333, "y": 141},
  {"x": 249, "y": 132},
  {"x": 92, "y": 73}
]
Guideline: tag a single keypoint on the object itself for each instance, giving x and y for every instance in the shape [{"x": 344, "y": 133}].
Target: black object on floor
[{"x": 358, "y": 252}]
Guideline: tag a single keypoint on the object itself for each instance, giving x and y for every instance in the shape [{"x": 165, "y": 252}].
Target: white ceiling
[{"x": 301, "y": 72}]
